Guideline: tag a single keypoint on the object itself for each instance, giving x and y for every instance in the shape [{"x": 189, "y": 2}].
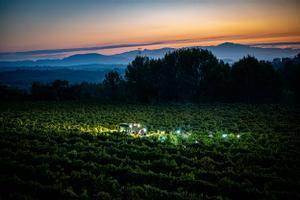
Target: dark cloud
[
  {"x": 56, "y": 52},
  {"x": 114, "y": 46},
  {"x": 277, "y": 43}
]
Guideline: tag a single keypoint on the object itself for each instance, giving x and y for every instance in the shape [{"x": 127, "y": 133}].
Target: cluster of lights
[
  {"x": 162, "y": 137},
  {"x": 134, "y": 125},
  {"x": 224, "y": 135}
]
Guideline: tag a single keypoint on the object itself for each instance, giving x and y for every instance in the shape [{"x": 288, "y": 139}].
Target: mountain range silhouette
[{"x": 228, "y": 52}]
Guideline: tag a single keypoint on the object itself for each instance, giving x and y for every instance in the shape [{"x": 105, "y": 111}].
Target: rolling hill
[{"x": 229, "y": 52}]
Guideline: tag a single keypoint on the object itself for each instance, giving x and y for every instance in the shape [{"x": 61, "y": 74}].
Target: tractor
[{"x": 132, "y": 128}]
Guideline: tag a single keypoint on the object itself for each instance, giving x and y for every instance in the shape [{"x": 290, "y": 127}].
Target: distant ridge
[
  {"x": 229, "y": 52},
  {"x": 231, "y": 45},
  {"x": 233, "y": 52}
]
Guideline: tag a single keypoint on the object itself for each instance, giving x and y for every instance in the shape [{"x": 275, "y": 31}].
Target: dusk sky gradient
[{"x": 27, "y": 25}]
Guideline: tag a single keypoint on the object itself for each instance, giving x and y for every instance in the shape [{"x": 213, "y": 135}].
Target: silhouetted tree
[
  {"x": 139, "y": 78},
  {"x": 12, "y": 94},
  {"x": 111, "y": 84},
  {"x": 254, "y": 80},
  {"x": 290, "y": 73},
  {"x": 59, "y": 89},
  {"x": 185, "y": 75},
  {"x": 40, "y": 91}
]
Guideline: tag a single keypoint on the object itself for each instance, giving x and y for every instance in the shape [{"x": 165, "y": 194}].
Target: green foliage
[{"x": 55, "y": 151}]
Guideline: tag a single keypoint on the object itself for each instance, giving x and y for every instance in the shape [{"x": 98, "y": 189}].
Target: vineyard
[{"x": 74, "y": 151}]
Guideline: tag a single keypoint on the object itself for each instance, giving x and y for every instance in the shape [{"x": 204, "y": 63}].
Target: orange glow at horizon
[{"x": 202, "y": 23}]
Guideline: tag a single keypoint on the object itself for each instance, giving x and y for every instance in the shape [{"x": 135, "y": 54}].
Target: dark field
[{"x": 74, "y": 151}]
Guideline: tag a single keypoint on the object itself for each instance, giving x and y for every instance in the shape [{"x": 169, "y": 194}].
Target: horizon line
[{"x": 114, "y": 46}]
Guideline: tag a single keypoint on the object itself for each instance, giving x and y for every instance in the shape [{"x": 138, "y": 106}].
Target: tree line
[{"x": 185, "y": 75}]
